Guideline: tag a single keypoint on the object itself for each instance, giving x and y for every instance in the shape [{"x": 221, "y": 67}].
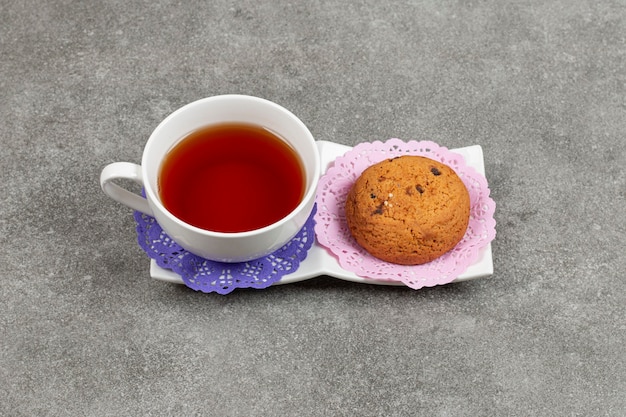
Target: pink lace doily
[{"x": 333, "y": 233}]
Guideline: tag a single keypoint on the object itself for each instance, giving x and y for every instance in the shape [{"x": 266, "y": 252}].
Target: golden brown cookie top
[{"x": 408, "y": 210}]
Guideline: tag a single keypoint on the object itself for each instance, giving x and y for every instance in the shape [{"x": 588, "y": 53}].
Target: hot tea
[{"x": 231, "y": 177}]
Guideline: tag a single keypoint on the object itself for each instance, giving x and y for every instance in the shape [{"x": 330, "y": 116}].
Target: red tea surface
[{"x": 231, "y": 177}]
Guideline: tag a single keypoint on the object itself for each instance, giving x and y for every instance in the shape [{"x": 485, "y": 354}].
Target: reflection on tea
[{"x": 231, "y": 177}]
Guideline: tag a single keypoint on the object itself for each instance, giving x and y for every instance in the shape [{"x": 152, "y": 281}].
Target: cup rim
[{"x": 154, "y": 199}]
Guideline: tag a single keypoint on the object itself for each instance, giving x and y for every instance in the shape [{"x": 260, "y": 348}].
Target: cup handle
[{"x": 124, "y": 170}]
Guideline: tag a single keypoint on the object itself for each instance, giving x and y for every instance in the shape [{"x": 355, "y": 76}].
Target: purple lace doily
[{"x": 210, "y": 276}]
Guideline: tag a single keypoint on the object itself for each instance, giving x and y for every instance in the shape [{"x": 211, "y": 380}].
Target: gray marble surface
[{"x": 539, "y": 85}]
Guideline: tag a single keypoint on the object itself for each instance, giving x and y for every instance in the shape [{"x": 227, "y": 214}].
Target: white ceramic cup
[{"x": 218, "y": 246}]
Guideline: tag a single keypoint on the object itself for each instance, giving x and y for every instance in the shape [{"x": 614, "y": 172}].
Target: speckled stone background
[{"x": 540, "y": 85}]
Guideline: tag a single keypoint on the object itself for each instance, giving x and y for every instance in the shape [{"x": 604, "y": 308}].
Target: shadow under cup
[{"x": 237, "y": 246}]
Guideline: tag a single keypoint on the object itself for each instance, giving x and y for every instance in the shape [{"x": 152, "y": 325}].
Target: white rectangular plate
[{"x": 320, "y": 261}]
